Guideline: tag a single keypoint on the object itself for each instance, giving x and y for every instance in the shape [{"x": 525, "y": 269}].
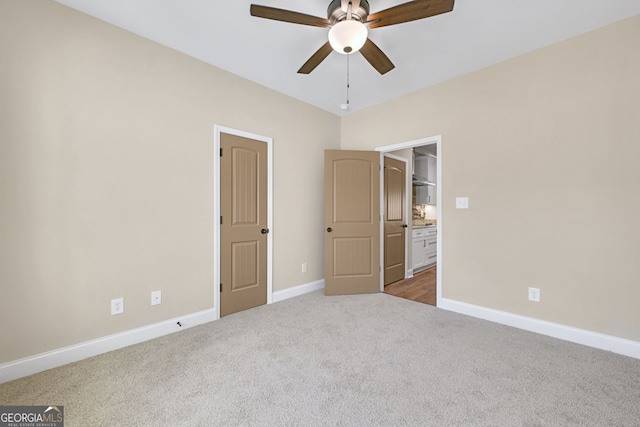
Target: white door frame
[
  {"x": 217, "y": 130},
  {"x": 410, "y": 144},
  {"x": 407, "y": 213}
]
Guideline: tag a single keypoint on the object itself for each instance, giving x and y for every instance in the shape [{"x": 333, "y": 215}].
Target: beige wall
[
  {"x": 106, "y": 177},
  {"x": 546, "y": 146}
]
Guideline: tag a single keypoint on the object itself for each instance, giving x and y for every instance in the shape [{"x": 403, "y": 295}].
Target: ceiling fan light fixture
[{"x": 348, "y": 36}]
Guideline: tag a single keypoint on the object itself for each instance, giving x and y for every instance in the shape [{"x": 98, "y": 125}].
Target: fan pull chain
[
  {"x": 348, "y": 81},
  {"x": 346, "y": 106}
]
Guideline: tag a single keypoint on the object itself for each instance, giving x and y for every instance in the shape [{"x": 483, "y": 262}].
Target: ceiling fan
[{"x": 348, "y": 21}]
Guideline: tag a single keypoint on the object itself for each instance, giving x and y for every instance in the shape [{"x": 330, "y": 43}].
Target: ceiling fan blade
[
  {"x": 288, "y": 16},
  {"x": 376, "y": 57},
  {"x": 316, "y": 59},
  {"x": 411, "y": 11}
]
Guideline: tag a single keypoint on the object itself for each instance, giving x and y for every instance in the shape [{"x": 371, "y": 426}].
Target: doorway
[
  {"x": 426, "y": 282},
  {"x": 243, "y": 223}
]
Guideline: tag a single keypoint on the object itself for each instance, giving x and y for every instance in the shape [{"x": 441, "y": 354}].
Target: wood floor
[{"x": 421, "y": 287}]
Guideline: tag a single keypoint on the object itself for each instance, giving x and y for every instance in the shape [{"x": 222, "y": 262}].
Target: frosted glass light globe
[{"x": 347, "y": 36}]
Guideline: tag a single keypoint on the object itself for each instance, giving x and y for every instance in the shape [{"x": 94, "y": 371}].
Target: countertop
[{"x": 423, "y": 223}]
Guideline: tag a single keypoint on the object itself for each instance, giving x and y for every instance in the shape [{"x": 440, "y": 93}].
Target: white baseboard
[
  {"x": 62, "y": 356},
  {"x": 51, "y": 359},
  {"x": 297, "y": 290},
  {"x": 580, "y": 336}
]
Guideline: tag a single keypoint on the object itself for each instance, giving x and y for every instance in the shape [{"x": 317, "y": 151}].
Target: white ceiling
[{"x": 476, "y": 34}]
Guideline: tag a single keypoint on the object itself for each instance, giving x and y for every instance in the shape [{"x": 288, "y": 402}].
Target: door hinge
[
  {"x": 220, "y": 219},
  {"x": 220, "y": 151},
  {"x": 220, "y": 287}
]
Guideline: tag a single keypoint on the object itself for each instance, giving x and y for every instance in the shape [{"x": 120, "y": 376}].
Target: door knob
[
  {"x": 329, "y": 229},
  {"x": 404, "y": 225},
  {"x": 264, "y": 230}
]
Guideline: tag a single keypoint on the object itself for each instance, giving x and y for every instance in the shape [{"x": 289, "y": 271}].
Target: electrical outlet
[
  {"x": 534, "y": 294},
  {"x": 156, "y": 297},
  {"x": 117, "y": 306},
  {"x": 304, "y": 267}
]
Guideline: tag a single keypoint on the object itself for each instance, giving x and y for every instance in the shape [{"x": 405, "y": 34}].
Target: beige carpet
[{"x": 368, "y": 360}]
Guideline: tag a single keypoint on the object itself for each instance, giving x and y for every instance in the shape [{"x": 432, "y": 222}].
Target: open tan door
[
  {"x": 352, "y": 222},
  {"x": 243, "y": 227},
  {"x": 394, "y": 220}
]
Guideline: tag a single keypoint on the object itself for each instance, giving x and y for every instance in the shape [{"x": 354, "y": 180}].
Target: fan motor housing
[{"x": 336, "y": 14}]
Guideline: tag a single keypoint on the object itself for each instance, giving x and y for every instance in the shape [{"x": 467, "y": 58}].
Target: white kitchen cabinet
[
  {"x": 431, "y": 251},
  {"x": 417, "y": 253},
  {"x": 425, "y": 179},
  {"x": 426, "y": 167},
  {"x": 424, "y": 248},
  {"x": 420, "y": 166},
  {"x": 426, "y": 195},
  {"x": 432, "y": 165},
  {"x": 432, "y": 198}
]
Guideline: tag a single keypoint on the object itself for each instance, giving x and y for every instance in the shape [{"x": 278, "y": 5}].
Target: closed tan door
[
  {"x": 394, "y": 220},
  {"x": 243, "y": 228},
  {"x": 352, "y": 222}
]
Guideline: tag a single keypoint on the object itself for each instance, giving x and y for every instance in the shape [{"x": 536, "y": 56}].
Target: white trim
[
  {"x": 410, "y": 144},
  {"x": 439, "y": 221},
  {"x": 381, "y": 222},
  {"x": 296, "y": 291},
  {"x": 394, "y": 157},
  {"x": 217, "y": 130},
  {"x": 437, "y": 139},
  {"x": 567, "y": 333},
  {"x": 62, "y": 356}
]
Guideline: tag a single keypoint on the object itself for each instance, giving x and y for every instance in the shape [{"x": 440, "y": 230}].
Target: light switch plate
[{"x": 462, "y": 203}]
